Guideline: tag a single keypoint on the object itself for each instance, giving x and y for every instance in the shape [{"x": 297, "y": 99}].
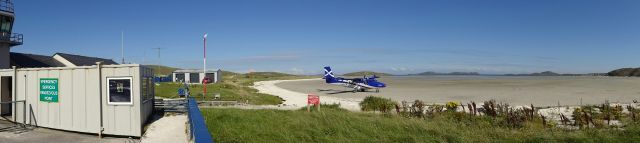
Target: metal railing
[
  {"x": 15, "y": 109},
  {"x": 11, "y": 38},
  {"x": 165, "y": 105},
  {"x": 6, "y": 6},
  {"x": 197, "y": 126}
]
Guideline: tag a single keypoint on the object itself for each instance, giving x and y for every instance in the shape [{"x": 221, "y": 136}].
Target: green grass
[
  {"x": 228, "y": 92},
  {"x": 160, "y": 70},
  {"x": 335, "y": 125},
  {"x": 234, "y": 87}
]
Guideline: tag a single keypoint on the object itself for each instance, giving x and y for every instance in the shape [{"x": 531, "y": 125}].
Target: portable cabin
[{"x": 101, "y": 99}]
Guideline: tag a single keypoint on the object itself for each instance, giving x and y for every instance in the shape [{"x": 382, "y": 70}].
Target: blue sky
[{"x": 302, "y": 36}]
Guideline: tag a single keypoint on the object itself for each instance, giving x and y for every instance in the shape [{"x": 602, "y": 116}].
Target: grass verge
[
  {"x": 234, "y": 87},
  {"x": 336, "y": 125}
]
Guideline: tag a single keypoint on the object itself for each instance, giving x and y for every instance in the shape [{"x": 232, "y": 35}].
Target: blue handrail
[{"x": 199, "y": 131}]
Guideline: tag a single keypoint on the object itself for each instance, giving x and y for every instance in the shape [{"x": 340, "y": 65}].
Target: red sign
[{"x": 313, "y": 99}]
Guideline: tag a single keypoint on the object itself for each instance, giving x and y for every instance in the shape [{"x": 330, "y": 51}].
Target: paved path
[
  {"x": 9, "y": 133},
  {"x": 168, "y": 129}
]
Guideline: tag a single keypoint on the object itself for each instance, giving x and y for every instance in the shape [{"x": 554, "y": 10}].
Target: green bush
[{"x": 372, "y": 103}]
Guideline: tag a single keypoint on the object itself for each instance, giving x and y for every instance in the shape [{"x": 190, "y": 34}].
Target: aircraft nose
[{"x": 381, "y": 85}]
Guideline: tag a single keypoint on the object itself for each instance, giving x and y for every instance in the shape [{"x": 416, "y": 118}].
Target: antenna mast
[
  {"x": 159, "y": 59},
  {"x": 122, "y": 45}
]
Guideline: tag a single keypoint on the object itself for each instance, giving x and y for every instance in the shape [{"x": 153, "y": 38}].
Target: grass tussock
[{"x": 372, "y": 103}]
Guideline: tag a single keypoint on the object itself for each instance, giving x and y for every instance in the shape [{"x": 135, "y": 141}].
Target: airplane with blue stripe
[{"x": 358, "y": 84}]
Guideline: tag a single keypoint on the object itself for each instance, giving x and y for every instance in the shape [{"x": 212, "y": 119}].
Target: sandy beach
[
  {"x": 540, "y": 91},
  {"x": 296, "y": 100}
]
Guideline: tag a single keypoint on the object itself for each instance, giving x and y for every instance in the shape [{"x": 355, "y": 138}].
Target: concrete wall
[{"x": 82, "y": 93}]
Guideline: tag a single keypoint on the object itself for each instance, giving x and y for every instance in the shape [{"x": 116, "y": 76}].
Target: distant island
[
  {"x": 625, "y": 72},
  {"x": 550, "y": 73},
  {"x": 545, "y": 73},
  {"x": 451, "y": 73},
  {"x": 364, "y": 73}
]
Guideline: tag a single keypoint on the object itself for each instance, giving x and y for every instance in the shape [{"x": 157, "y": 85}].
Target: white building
[{"x": 194, "y": 76}]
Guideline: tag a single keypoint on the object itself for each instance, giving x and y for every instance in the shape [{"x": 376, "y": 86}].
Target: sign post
[
  {"x": 313, "y": 100},
  {"x": 49, "y": 89}
]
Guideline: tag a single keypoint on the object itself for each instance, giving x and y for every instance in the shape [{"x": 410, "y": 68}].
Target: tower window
[{"x": 5, "y": 24}]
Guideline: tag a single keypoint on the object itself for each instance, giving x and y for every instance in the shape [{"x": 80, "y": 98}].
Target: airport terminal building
[{"x": 71, "y": 92}]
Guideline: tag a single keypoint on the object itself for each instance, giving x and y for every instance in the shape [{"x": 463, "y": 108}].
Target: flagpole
[{"x": 204, "y": 66}]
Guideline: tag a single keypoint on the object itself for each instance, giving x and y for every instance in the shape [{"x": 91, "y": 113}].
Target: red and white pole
[{"x": 204, "y": 67}]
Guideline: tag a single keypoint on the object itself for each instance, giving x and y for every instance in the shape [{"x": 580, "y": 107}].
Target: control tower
[{"x": 7, "y": 38}]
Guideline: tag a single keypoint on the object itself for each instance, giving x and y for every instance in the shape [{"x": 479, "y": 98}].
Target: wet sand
[{"x": 540, "y": 91}]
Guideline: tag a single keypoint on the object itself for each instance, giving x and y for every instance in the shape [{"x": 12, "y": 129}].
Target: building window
[
  {"x": 194, "y": 78},
  {"x": 120, "y": 91},
  {"x": 151, "y": 89},
  {"x": 145, "y": 87},
  {"x": 180, "y": 77},
  {"x": 5, "y": 24}
]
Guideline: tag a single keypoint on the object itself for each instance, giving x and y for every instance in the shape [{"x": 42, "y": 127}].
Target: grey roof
[
  {"x": 194, "y": 71},
  {"x": 22, "y": 60},
  {"x": 84, "y": 60}
]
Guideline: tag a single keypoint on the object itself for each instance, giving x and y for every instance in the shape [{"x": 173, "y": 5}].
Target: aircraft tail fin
[{"x": 328, "y": 75}]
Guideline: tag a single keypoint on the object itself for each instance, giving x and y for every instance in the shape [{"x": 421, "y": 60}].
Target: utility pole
[{"x": 159, "y": 59}]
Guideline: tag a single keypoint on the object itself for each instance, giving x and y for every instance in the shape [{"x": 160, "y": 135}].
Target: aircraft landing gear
[{"x": 377, "y": 90}]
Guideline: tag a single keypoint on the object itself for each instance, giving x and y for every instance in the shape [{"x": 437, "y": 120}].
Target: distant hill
[
  {"x": 161, "y": 70},
  {"x": 229, "y": 73},
  {"x": 545, "y": 73},
  {"x": 625, "y": 72},
  {"x": 363, "y": 73},
  {"x": 266, "y": 74},
  {"x": 550, "y": 73},
  {"x": 451, "y": 73}
]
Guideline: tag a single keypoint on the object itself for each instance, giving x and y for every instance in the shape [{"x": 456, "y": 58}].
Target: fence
[
  {"x": 158, "y": 79},
  {"x": 197, "y": 126}
]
